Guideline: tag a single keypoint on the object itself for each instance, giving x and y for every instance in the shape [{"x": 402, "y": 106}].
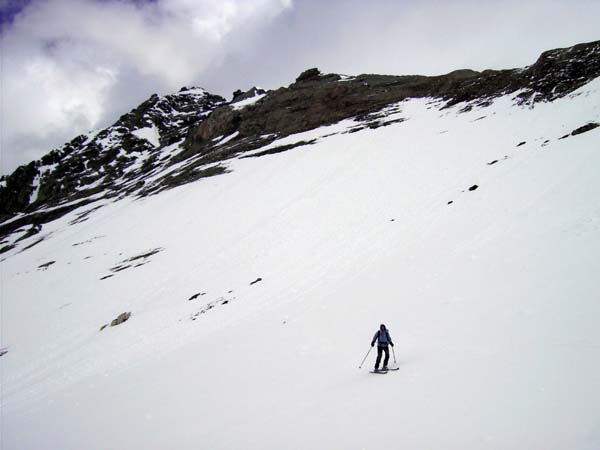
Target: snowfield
[{"x": 293, "y": 260}]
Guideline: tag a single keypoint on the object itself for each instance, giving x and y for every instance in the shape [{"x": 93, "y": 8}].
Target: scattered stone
[
  {"x": 103, "y": 326},
  {"x": 123, "y": 317},
  {"x": 588, "y": 127},
  {"x": 145, "y": 255},
  {"x": 3, "y": 351},
  {"x": 585, "y": 128},
  {"x": 82, "y": 217},
  {"x": 521, "y": 143},
  {"x": 211, "y": 305},
  {"x": 34, "y": 244},
  {"x": 46, "y": 265},
  {"x": 492, "y": 163},
  {"x": 6, "y": 248},
  {"x": 450, "y": 202},
  {"x": 195, "y": 296},
  {"x": 472, "y": 188},
  {"x": 35, "y": 229},
  {"x": 256, "y": 281},
  {"x": 127, "y": 263},
  {"x": 107, "y": 276}
]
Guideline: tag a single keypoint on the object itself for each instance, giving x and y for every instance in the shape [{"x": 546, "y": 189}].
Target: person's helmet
[{"x": 382, "y": 327}]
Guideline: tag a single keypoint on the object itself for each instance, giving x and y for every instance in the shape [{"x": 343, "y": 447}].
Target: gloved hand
[
  {"x": 391, "y": 344},
  {"x": 372, "y": 344}
]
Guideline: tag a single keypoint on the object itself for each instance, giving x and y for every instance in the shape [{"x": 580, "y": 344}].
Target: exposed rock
[
  {"x": 588, "y": 127},
  {"x": 6, "y": 248},
  {"x": 309, "y": 75},
  {"x": 222, "y": 122},
  {"x": 38, "y": 241},
  {"x": 141, "y": 260},
  {"x": 279, "y": 149},
  {"x": 125, "y": 160},
  {"x": 123, "y": 317},
  {"x": 46, "y": 265},
  {"x": 15, "y": 195},
  {"x": 101, "y": 163},
  {"x": 315, "y": 99},
  {"x": 256, "y": 281},
  {"x": 35, "y": 229},
  {"x": 474, "y": 187},
  {"x": 239, "y": 95},
  {"x": 236, "y": 95}
]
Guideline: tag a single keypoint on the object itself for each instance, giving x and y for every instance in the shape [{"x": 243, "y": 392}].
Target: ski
[{"x": 378, "y": 371}]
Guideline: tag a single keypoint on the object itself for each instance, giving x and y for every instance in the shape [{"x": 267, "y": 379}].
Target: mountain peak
[{"x": 177, "y": 138}]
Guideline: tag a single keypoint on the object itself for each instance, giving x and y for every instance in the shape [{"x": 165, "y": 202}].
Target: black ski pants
[{"x": 380, "y": 350}]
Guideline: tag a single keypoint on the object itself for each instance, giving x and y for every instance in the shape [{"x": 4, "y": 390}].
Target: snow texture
[
  {"x": 151, "y": 134},
  {"x": 492, "y": 299}
]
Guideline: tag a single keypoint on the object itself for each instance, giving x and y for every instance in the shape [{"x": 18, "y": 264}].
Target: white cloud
[{"x": 64, "y": 60}]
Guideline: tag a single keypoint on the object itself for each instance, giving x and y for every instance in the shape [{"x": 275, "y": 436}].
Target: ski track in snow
[{"x": 492, "y": 300}]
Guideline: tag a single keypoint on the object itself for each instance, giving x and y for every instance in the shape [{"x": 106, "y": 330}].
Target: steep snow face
[{"x": 254, "y": 295}]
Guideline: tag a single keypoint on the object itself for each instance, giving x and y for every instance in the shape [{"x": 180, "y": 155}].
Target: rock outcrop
[{"x": 176, "y": 139}]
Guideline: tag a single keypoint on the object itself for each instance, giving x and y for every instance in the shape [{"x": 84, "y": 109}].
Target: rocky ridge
[{"x": 176, "y": 139}]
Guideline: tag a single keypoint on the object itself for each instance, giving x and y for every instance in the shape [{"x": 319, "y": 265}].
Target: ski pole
[
  {"x": 365, "y": 358},
  {"x": 394, "y": 353}
]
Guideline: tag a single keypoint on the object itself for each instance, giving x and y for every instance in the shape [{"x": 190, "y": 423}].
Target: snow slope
[{"x": 492, "y": 300}]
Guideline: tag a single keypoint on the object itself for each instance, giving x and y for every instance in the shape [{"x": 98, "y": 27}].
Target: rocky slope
[
  {"x": 208, "y": 315},
  {"x": 176, "y": 139}
]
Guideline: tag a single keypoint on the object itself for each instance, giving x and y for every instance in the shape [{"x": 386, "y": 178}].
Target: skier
[{"x": 382, "y": 336}]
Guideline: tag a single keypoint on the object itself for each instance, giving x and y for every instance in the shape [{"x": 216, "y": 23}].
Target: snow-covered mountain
[{"x": 209, "y": 274}]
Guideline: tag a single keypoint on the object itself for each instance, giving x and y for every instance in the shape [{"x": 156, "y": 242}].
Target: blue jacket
[{"x": 382, "y": 338}]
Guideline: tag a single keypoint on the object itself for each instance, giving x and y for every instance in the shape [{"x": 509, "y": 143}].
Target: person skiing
[{"x": 382, "y": 336}]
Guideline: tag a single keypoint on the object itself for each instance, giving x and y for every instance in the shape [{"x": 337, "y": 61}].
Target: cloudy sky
[{"x": 69, "y": 66}]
